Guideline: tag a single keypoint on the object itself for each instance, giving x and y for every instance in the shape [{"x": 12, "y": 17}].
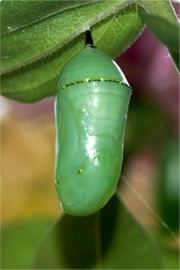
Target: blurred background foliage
[{"x": 149, "y": 184}]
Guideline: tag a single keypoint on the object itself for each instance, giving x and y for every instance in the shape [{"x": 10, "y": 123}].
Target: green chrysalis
[{"x": 91, "y": 107}]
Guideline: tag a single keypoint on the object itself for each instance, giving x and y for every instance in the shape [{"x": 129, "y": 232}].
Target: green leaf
[
  {"x": 157, "y": 7},
  {"x": 167, "y": 33},
  {"x": 175, "y": 57},
  {"x": 19, "y": 241},
  {"x": 41, "y": 57},
  {"x": 110, "y": 239},
  {"x": 53, "y": 32},
  {"x": 32, "y": 12},
  {"x": 161, "y": 18},
  {"x": 39, "y": 37}
]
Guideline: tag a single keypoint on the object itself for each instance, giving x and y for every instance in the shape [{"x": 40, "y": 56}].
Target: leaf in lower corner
[
  {"x": 19, "y": 241},
  {"x": 110, "y": 239}
]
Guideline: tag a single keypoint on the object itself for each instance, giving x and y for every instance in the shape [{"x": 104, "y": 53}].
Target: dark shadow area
[{"x": 80, "y": 236}]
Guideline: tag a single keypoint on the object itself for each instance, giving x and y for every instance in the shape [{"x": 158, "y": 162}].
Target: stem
[{"x": 89, "y": 40}]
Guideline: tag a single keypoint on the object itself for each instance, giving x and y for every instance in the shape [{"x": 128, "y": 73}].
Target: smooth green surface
[
  {"x": 19, "y": 242},
  {"x": 39, "y": 37},
  {"x": 110, "y": 239},
  {"x": 90, "y": 63},
  {"x": 90, "y": 122}
]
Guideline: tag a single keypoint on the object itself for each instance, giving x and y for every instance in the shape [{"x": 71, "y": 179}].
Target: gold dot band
[{"x": 94, "y": 80}]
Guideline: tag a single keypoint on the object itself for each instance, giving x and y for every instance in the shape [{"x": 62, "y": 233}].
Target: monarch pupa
[{"x": 91, "y": 107}]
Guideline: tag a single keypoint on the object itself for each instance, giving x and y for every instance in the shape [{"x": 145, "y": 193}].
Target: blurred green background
[{"x": 149, "y": 184}]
